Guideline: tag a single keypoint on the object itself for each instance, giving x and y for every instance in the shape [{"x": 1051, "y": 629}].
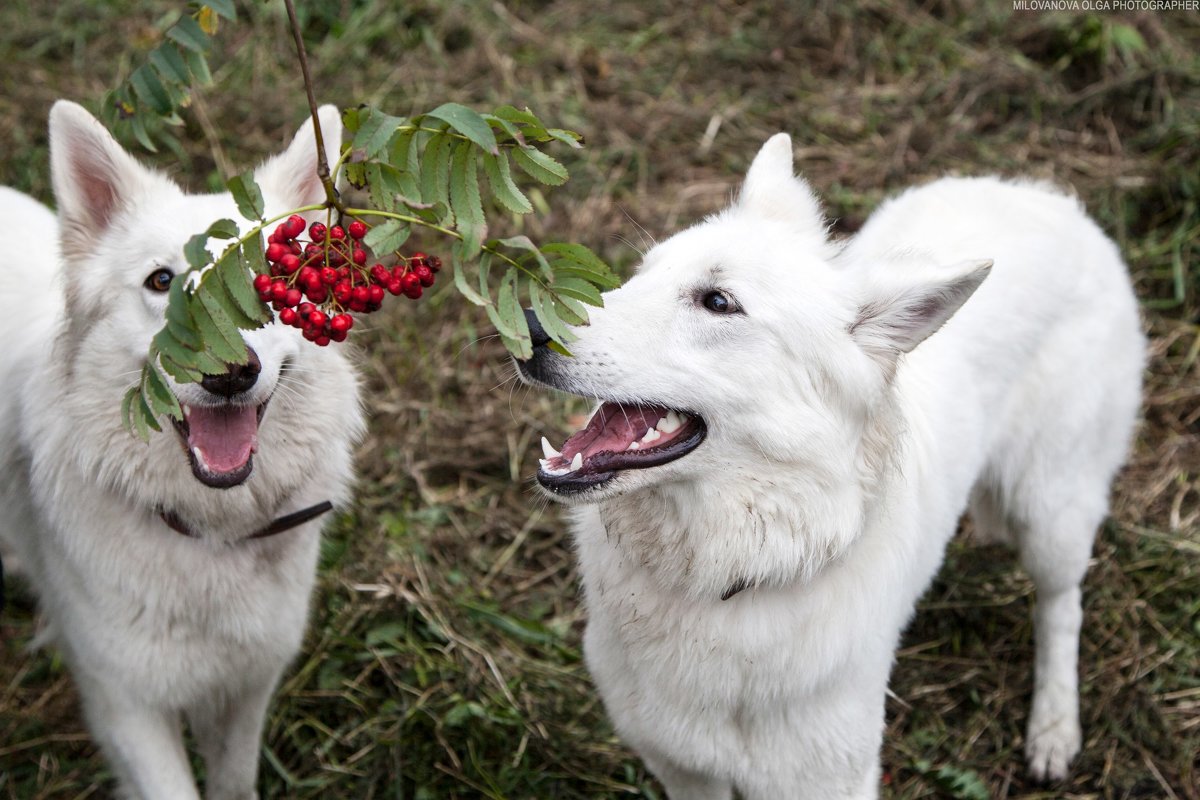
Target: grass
[{"x": 443, "y": 657}]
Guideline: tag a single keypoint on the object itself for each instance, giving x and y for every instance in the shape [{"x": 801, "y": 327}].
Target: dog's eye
[
  {"x": 718, "y": 303},
  {"x": 159, "y": 280}
]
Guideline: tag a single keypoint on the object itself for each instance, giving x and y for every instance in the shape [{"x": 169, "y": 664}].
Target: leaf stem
[{"x": 331, "y": 194}]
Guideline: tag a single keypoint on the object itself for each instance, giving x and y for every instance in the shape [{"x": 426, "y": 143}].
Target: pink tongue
[
  {"x": 226, "y": 436},
  {"x": 612, "y": 428}
]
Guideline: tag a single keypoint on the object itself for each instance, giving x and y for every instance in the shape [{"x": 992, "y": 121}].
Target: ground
[{"x": 443, "y": 658}]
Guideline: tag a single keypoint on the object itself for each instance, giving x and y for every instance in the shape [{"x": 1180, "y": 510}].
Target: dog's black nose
[
  {"x": 236, "y": 378},
  {"x": 536, "y": 332}
]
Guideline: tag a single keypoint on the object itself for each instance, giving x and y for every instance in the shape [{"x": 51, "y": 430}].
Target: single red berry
[
  {"x": 290, "y": 263},
  {"x": 304, "y": 309},
  {"x": 297, "y": 248},
  {"x": 338, "y": 336},
  {"x": 359, "y": 257},
  {"x": 341, "y": 322},
  {"x": 307, "y": 275},
  {"x": 321, "y": 341},
  {"x": 424, "y": 274},
  {"x": 279, "y": 290},
  {"x": 435, "y": 263},
  {"x": 360, "y": 294},
  {"x": 288, "y": 316},
  {"x": 375, "y": 294},
  {"x": 262, "y": 283},
  {"x": 335, "y": 258},
  {"x": 381, "y": 274},
  {"x": 395, "y": 286},
  {"x": 342, "y": 292},
  {"x": 318, "y": 294},
  {"x": 357, "y": 305},
  {"x": 337, "y": 232},
  {"x": 329, "y": 276},
  {"x": 357, "y": 229},
  {"x": 277, "y": 251},
  {"x": 310, "y": 332},
  {"x": 412, "y": 286},
  {"x": 316, "y": 232},
  {"x": 294, "y": 226},
  {"x": 293, "y": 297},
  {"x": 316, "y": 318}
]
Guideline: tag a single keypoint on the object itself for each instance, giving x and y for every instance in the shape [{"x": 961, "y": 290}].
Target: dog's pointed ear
[
  {"x": 894, "y": 320},
  {"x": 773, "y": 191},
  {"x": 290, "y": 178},
  {"x": 93, "y": 177}
]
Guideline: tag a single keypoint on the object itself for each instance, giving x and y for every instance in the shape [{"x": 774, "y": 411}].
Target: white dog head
[
  {"x": 123, "y": 228},
  {"x": 743, "y": 353}
]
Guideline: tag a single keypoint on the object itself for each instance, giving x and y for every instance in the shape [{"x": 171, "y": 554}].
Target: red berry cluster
[{"x": 314, "y": 283}]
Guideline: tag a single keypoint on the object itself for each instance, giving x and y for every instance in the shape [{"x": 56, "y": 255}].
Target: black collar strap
[{"x": 284, "y": 523}]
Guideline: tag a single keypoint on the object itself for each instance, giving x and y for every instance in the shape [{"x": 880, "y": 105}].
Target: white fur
[
  {"x": 846, "y": 435},
  {"x": 156, "y": 627}
]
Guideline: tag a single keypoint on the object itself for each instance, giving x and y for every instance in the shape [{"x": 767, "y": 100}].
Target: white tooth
[
  {"x": 547, "y": 450},
  {"x": 557, "y": 472},
  {"x": 670, "y": 423},
  {"x": 651, "y": 435},
  {"x": 577, "y": 462},
  {"x": 632, "y": 446},
  {"x": 544, "y": 464},
  {"x": 199, "y": 456},
  {"x": 187, "y": 410}
]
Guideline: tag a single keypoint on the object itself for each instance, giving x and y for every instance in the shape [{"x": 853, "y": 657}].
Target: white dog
[
  {"x": 170, "y": 574},
  {"x": 786, "y": 441}
]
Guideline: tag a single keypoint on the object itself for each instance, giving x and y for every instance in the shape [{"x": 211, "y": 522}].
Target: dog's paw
[{"x": 1050, "y": 748}]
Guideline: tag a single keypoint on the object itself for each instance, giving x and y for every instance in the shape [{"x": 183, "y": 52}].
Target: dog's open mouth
[
  {"x": 619, "y": 436},
  {"x": 221, "y": 441}
]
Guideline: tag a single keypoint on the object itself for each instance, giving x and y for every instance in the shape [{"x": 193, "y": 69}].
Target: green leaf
[
  {"x": 190, "y": 35},
  {"x": 435, "y": 169},
  {"x": 469, "y": 123},
  {"x": 570, "y": 138},
  {"x": 577, "y": 288},
  {"x": 225, "y": 8},
  {"x": 198, "y": 65},
  {"x": 147, "y": 415},
  {"x": 375, "y": 130},
  {"x": 518, "y": 116},
  {"x": 182, "y": 364},
  {"x": 162, "y": 399},
  {"x": 511, "y": 131},
  {"x": 524, "y": 243},
  {"x": 577, "y": 260},
  {"x": 388, "y": 236},
  {"x": 543, "y": 307},
  {"x": 503, "y": 188},
  {"x": 179, "y": 320},
  {"x": 223, "y": 229},
  {"x": 150, "y": 90},
  {"x": 508, "y": 305},
  {"x": 138, "y": 123},
  {"x": 196, "y": 251},
  {"x": 539, "y": 166},
  {"x": 137, "y": 414},
  {"x": 404, "y": 155},
  {"x": 460, "y": 279},
  {"x": 234, "y": 270},
  {"x": 127, "y": 408},
  {"x": 464, "y": 198},
  {"x": 170, "y": 64},
  {"x": 214, "y": 290},
  {"x": 222, "y": 337},
  {"x": 570, "y": 309},
  {"x": 247, "y": 195}
]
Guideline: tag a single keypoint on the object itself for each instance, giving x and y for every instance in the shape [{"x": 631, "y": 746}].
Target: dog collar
[{"x": 279, "y": 525}]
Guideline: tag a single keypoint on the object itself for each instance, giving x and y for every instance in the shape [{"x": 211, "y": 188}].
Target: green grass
[{"x": 443, "y": 657}]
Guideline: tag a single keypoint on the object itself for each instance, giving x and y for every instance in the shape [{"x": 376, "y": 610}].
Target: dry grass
[{"x": 443, "y": 659}]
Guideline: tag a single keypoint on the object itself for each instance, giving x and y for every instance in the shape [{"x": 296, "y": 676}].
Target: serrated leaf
[
  {"x": 570, "y": 309},
  {"x": 570, "y": 138},
  {"x": 582, "y": 262},
  {"x": 404, "y": 156},
  {"x": 509, "y": 306},
  {"x": 460, "y": 279},
  {"x": 225, "y": 8},
  {"x": 254, "y": 259},
  {"x": 375, "y": 130},
  {"x": 543, "y": 307},
  {"x": 504, "y": 189},
  {"x": 469, "y": 123},
  {"x": 179, "y": 320},
  {"x": 485, "y": 269},
  {"x": 198, "y": 65},
  {"x": 147, "y": 414},
  {"x": 127, "y": 408},
  {"x": 162, "y": 399},
  {"x": 465, "y": 201},
  {"x": 149, "y": 89},
  {"x": 214, "y": 290},
  {"x": 512, "y": 114},
  {"x": 512, "y": 134},
  {"x": 234, "y": 270},
  {"x": 539, "y": 166},
  {"x": 247, "y": 195},
  {"x": 386, "y": 184},
  {"x": 138, "y": 414},
  {"x": 138, "y": 123},
  {"x": 577, "y": 288},
  {"x": 352, "y": 116},
  {"x": 223, "y": 229},
  {"x": 222, "y": 338},
  {"x": 388, "y": 236},
  {"x": 190, "y": 35},
  {"x": 196, "y": 251},
  {"x": 525, "y": 243},
  {"x": 435, "y": 169},
  {"x": 170, "y": 64}
]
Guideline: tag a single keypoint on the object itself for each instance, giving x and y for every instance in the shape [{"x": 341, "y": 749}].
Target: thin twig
[{"x": 322, "y": 164}]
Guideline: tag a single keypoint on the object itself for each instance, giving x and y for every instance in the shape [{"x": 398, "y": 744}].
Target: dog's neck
[{"x": 278, "y": 525}]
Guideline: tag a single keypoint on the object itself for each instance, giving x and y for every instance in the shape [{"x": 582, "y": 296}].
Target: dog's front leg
[
  {"x": 682, "y": 784},
  {"x": 228, "y": 732},
  {"x": 143, "y": 743}
]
